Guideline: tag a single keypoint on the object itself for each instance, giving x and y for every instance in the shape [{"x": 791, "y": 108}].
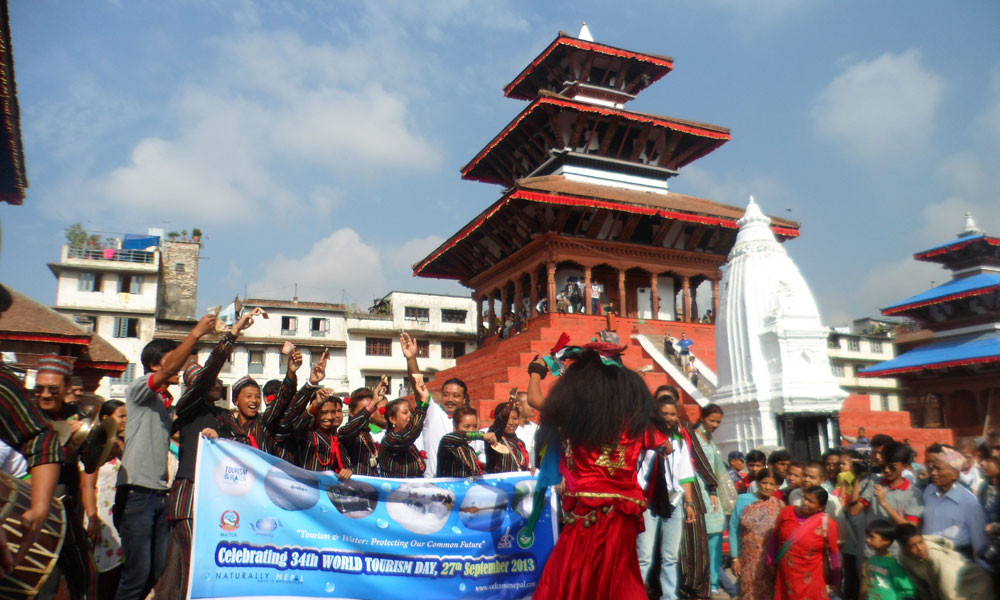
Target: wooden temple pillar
[
  {"x": 492, "y": 314},
  {"x": 533, "y": 292},
  {"x": 686, "y": 287},
  {"x": 621, "y": 293},
  {"x": 587, "y": 310},
  {"x": 550, "y": 268},
  {"x": 479, "y": 314},
  {"x": 504, "y": 304},
  {"x": 654, "y": 293},
  {"x": 518, "y": 297}
]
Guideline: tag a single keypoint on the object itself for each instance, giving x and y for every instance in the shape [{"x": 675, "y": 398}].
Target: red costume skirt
[{"x": 595, "y": 557}]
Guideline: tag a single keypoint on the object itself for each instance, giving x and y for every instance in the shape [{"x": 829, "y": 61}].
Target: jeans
[
  {"x": 144, "y": 543},
  {"x": 595, "y": 306},
  {"x": 669, "y": 531}
]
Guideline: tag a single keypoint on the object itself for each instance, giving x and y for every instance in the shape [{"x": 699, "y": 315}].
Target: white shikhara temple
[{"x": 775, "y": 382}]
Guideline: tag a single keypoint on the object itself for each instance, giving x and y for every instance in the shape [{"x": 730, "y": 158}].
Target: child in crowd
[
  {"x": 882, "y": 576},
  {"x": 398, "y": 456},
  {"x": 456, "y": 458}
]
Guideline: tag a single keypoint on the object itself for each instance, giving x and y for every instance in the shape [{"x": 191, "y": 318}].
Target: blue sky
[{"x": 319, "y": 143}]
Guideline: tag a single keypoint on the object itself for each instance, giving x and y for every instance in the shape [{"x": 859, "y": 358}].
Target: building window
[
  {"x": 371, "y": 381},
  {"x": 127, "y": 376},
  {"x": 319, "y": 327},
  {"x": 854, "y": 345},
  {"x": 453, "y": 316},
  {"x": 452, "y": 349},
  {"x": 833, "y": 342},
  {"x": 256, "y": 362},
  {"x": 423, "y": 349},
  {"x": 876, "y": 346},
  {"x": 86, "y": 322},
  {"x": 126, "y": 327},
  {"x": 378, "y": 346},
  {"x": 415, "y": 313},
  {"x": 838, "y": 369},
  {"x": 88, "y": 282},
  {"x": 289, "y": 325},
  {"x": 885, "y": 401},
  {"x": 178, "y": 267},
  {"x": 129, "y": 284}
]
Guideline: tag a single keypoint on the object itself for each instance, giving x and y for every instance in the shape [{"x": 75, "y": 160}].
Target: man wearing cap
[
  {"x": 738, "y": 471},
  {"x": 140, "y": 512},
  {"x": 24, "y": 427},
  {"x": 951, "y": 511},
  {"x": 76, "y": 563}
]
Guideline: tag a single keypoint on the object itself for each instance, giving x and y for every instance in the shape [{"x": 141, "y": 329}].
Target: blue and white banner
[{"x": 264, "y": 528}]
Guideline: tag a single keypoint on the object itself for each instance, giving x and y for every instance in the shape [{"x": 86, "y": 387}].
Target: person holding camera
[{"x": 891, "y": 496}]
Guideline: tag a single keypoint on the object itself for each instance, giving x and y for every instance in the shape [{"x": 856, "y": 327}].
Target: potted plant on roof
[
  {"x": 196, "y": 235},
  {"x": 172, "y": 235},
  {"x": 184, "y": 235}
]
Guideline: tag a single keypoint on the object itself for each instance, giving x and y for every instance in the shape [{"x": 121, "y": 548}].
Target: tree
[{"x": 77, "y": 235}]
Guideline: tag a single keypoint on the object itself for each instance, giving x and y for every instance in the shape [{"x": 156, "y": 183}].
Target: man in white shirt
[
  {"x": 437, "y": 423},
  {"x": 950, "y": 510},
  {"x": 677, "y": 482},
  {"x": 526, "y": 430}
]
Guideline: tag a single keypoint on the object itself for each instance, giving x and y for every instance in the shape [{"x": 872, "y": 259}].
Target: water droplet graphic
[
  {"x": 386, "y": 487},
  {"x": 381, "y": 523},
  {"x": 461, "y": 587},
  {"x": 323, "y": 509},
  {"x": 457, "y": 530},
  {"x": 329, "y": 586}
]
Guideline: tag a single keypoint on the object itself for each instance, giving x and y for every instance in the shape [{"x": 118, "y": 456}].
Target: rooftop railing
[{"x": 113, "y": 254}]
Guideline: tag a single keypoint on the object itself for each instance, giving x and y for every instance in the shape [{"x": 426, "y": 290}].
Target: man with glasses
[{"x": 76, "y": 562}]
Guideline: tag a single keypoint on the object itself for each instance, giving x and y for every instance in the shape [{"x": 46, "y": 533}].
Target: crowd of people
[
  {"x": 647, "y": 499},
  {"x": 130, "y": 518}
]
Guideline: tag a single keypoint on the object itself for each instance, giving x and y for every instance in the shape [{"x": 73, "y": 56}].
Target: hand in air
[
  {"x": 318, "y": 372},
  {"x": 421, "y": 388},
  {"x": 408, "y": 344}
]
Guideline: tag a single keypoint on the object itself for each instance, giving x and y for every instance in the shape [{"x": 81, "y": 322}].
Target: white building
[
  {"x": 312, "y": 326},
  {"x": 444, "y": 328},
  {"x": 865, "y": 343},
  {"x": 113, "y": 293}
]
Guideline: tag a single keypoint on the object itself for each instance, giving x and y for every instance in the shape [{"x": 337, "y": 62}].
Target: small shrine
[{"x": 950, "y": 365}]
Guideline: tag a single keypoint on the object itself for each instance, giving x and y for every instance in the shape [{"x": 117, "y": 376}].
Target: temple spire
[
  {"x": 585, "y": 34},
  {"x": 970, "y": 227}
]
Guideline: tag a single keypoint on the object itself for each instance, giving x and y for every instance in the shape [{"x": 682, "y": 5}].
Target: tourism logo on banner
[{"x": 264, "y": 528}]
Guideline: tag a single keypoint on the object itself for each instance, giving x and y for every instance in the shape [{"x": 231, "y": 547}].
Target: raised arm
[
  {"x": 409, "y": 347},
  {"x": 206, "y": 376},
  {"x": 173, "y": 362},
  {"x": 537, "y": 371}
]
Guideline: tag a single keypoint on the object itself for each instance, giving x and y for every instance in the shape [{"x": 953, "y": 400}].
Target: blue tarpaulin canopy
[
  {"x": 966, "y": 286},
  {"x": 139, "y": 242},
  {"x": 951, "y": 352}
]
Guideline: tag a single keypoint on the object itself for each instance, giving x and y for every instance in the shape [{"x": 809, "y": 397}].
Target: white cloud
[
  {"x": 403, "y": 257},
  {"x": 341, "y": 260},
  {"x": 272, "y": 103},
  {"x": 879, "y": 108},
  {"x": 883, "y": 285},
  {"x": 734, "y": 189}
]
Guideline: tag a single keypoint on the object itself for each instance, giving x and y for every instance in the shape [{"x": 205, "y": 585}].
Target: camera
[{"x": 862, "y": 465}]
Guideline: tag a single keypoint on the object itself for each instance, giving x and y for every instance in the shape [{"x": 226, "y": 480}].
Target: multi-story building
[
  {"x": 444, "y": 328},
  {"x": 312, "y": 326},
  {"x": 118, "y": 290},
  {"x": 864, "y": 343}
]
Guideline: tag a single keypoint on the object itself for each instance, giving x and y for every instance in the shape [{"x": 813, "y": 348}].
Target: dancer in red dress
[{"x": 606, "y": 418}]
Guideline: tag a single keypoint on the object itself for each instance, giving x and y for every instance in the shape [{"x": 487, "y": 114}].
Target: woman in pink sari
[{"x": 804, "y": 536}]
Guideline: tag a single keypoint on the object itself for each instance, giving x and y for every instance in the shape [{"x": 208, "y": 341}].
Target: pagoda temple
[
  {"x": 585, "y": 200},
  {"x": 950, "y": 366}
]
